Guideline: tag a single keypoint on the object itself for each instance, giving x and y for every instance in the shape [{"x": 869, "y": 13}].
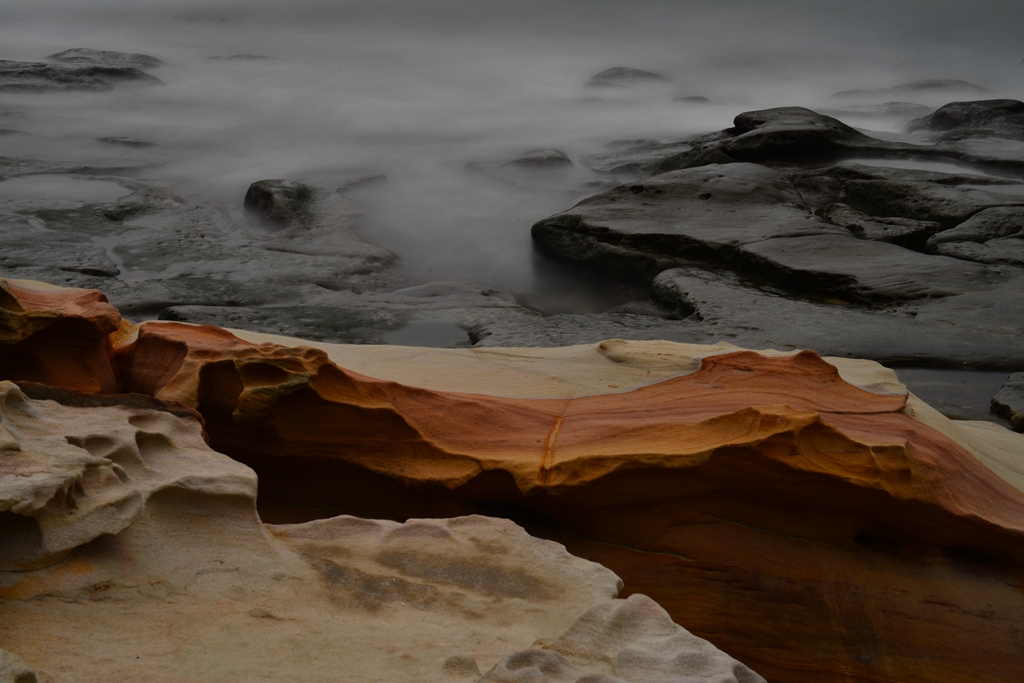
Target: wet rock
[
  {"x": 542, "y": 159},
  {"x": 983, "y": 118},
  {"x": 988, "y": 224},
  {"x": 788, "y": 136},
  {"x": 749, "y": 218},
  {"x": 1009, "y": 401},
  {"x": 41, "y": 77},
  {"x": 691, "y": 99},
  {"x": 926, "y": 87},
  {"x": 279, "y": 203},
  {"x": 132, "y": 247},
  {"x": 105, "y": 58},
  {"x": 623, "y": 77},
  {"x": 693, "y": 213},
  {"x": 125, "y": 141},
  {"x": 902, "y": 231},
  {"x": 990, "y": 236}
]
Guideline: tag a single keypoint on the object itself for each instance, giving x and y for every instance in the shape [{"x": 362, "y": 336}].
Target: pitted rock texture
[
  {"x": 623, "y": 640},
  {"x": 810, "y": 496},
  {"x": 186, "y": 583},
  {"x": 70, "y": 475}
]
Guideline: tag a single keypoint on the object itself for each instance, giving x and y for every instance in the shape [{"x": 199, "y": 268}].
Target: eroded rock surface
[
  {"x": 154, "y": 548},
  {"x": 623, "y": 640}
]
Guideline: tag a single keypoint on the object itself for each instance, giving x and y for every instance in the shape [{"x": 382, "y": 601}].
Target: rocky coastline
[{"x": 289, "y": 460}]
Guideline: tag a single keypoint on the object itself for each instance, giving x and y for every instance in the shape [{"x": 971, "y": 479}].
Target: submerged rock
[
  {"x": 125, "y": 141},
  {"x": 926, "y": 87},
  {"x": 106, "y": 58},
  {"x": 41, "y": 77},
  {"x": 542, "y": 159},
  {"x": 623, "y": 77}
]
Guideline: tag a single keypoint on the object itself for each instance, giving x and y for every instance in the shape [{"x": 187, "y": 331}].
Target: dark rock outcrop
[
  {"x": 1009, "y": 401},
  {"x": 542, "y": 159},
  {"x": 105, "y": 58},
  {"x": 981, "y": 118},
  {"x": 42, "y": 77},
  {"x": 623, "y": 77}
]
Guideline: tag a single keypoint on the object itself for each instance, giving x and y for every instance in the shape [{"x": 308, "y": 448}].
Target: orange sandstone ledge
[{"x": 812, "y": 529}]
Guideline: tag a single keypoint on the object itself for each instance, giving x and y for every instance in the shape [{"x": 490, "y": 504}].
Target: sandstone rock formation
[
  {"x": 55, "y": 336},
  {"x": 623, "y": 640},
  {"x": 40, "y": 76},
  {"x": 845, "y": 525},
  {"x": 133, "y": 551},
  {"x": 772, "y": 464}
]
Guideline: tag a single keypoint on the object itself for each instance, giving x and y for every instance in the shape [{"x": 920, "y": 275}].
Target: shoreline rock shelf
[{"x": 806, "y": 515}]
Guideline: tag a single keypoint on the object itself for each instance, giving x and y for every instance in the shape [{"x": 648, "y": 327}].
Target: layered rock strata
[
  {"x": 131, "y": 550},
  {"x": 846, "y": 526}
]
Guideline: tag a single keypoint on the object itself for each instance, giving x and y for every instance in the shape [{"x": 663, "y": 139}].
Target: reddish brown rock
[
  {"x": 55, "y": 336},
  {"x": 812, "y": 529}
]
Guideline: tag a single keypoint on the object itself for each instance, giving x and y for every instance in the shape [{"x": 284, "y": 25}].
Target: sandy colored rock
[
  {"x": 195, "y": 587},
  {"x": 57, "y": 336},
  {"x": 624, "y": 640},
  {"x": 733, "y": 488}
]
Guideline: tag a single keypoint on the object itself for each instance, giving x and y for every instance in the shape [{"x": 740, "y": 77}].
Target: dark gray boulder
[
  {"x": 42, "y": 77},
  {"x": 279, "y": 203},
  {"x": 1009, "y": 401},
  {"x": 787, "y": 136},
  {"x": 981, "y": 118},
  {"x": 623, "y": 77},
  {"x": 691, "y": 99},
  {"x": 83, "y": 55},
  {"x": 542, "y": 159}
]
